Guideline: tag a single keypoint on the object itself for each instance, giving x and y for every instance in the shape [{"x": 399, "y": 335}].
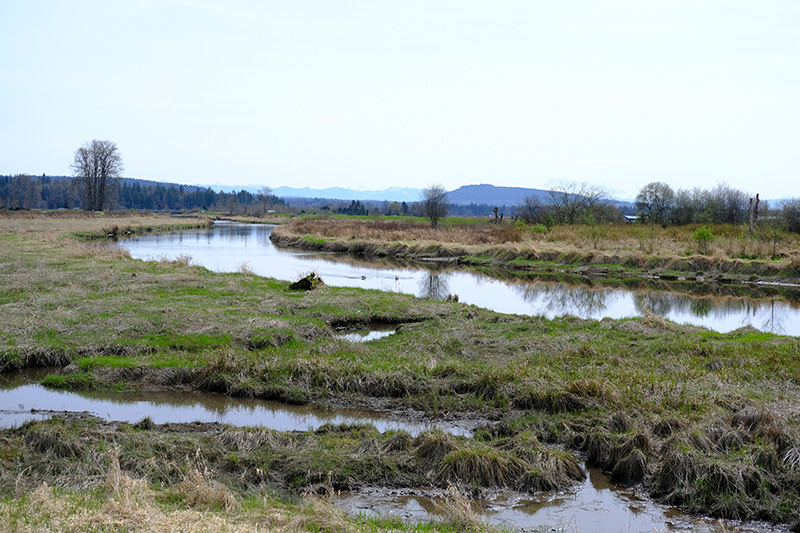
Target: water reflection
[
  {"x": 557, "y": 299},
  {"x": 229, "y": 246},
  {"x": 21, "y": 403},
  {"x": 366, "y": 335},
  {"x": 433, "y": 286},
  {"x": 594, "y": 505}
]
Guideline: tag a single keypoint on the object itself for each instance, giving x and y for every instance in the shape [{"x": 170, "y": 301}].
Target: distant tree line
[
  {"x": 62, "y": 192},
  {"x": 569, "y": 203},
  {"x": 390, "y": 208},
  {"x": 658, "y": 203}
]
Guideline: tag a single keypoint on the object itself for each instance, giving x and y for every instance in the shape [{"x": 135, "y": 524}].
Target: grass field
[{"x": 706, "y": 421}]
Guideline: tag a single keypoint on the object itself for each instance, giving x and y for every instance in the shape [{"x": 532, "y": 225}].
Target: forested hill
[{"x": 59, "y": 192}]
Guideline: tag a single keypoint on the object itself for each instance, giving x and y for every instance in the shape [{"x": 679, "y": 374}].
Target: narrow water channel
[
  {"x": 229, "y": 246},
  {"x": 22, "y": 399}
]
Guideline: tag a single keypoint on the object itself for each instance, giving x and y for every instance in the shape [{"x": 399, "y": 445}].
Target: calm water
[
  {"x": 229, "y": 246},
  {"x": 21, "y": 400}
]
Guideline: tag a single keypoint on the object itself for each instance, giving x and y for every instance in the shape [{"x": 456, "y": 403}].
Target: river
[{"x": 229, "y": 247}]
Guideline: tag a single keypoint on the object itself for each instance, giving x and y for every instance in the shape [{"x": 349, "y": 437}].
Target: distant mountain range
[
  {"x": 464, "y": 195},
  {"x": 392, "y": 194}
]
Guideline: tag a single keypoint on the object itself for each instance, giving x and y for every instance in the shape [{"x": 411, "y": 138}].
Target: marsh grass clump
[
  {"x": 666, "y": 428},
  {"x": 197, "y": 490},
  {"x": 625, "y": 456},
  {"x": 482, "y": 466},
  {"x": 431, "y": 447},
  {"x": 549, "y": 469},
  {"x": 552, "y": 400},
  {"x": 54, "y": 441},
  {"x": 398, "y": 441}
]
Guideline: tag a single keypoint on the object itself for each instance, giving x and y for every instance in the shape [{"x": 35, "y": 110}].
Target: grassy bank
[
  {"x": 84, "y": 474},
  {"x": 621, "y": 250},
  {"x": 702, "y": 420}
]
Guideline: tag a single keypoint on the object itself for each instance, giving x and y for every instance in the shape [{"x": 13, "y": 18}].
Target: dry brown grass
[
  {"x": 130, "y": 505},
  {"x": 623, "y": 243},
  {"x": 54, "y": 225},
  {"x": 460, "y": 510}
]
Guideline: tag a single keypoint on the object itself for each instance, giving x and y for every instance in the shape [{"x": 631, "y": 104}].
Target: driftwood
[{"x": 307, "y": 283}]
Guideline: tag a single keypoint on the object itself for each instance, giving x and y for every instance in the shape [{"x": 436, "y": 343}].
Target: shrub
[{"x": 703, "y": 237}]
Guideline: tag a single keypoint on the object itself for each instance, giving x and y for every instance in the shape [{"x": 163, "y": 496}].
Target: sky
[{"x": 372, "y": 94}]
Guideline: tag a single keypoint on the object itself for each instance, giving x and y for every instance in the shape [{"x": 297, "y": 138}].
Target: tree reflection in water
[
  {"x": 673, "y": 305},
  {"x": 434, "y": 286},
  {"x": 565, "y": 299},
  {"x": 559, "y": 298}
]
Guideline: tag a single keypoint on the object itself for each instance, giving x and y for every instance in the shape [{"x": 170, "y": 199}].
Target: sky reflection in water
[{"x": 229, "y": 247}]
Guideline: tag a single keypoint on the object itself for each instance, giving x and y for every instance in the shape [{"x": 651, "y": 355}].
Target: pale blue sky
[{"x": 372, "y": 94}]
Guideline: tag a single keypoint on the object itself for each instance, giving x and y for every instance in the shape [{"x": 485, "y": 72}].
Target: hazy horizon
[{"x": 369, "y": 95}]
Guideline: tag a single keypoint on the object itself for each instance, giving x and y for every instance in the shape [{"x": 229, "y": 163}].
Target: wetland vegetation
[
  {"x": 706, "y": 421},
  {"x": 621, "y": 251}
]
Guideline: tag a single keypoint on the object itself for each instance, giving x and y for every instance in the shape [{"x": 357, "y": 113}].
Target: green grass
[
  {"x": 189, "y": 342},
  {"x": 77, "y": 381},
  {"x": 90, "y": 363}
]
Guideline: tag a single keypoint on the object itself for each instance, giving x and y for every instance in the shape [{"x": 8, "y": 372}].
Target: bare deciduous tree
[
  {"x": 532, "y": 210},
  {"x": 655, "y": 200},
  {"x": 729, "y": 205},
  {"x": 571, "y": 201},
  {"x": 689, "y": 205},
  {"x": 97, "y": 167},
  {"x": 434, "y": 203},
  {"x": 790, "y": 214},
  {"x": 265, "y": 194}
]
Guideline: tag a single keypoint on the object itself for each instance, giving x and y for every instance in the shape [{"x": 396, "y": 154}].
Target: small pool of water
[
  {"x": 366, "y": 335},
  {"x": 596, "y": 505}
]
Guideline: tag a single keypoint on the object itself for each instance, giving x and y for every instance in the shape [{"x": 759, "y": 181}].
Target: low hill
[{"x": 491, "y": 194}]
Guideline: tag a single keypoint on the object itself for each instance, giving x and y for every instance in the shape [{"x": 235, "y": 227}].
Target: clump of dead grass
[
  {"x": 246, "y": 269},
  {"x": 460, "y": 511},
  {"x": 198, "y": 490},
  {"x": 483, "y": 466}
]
